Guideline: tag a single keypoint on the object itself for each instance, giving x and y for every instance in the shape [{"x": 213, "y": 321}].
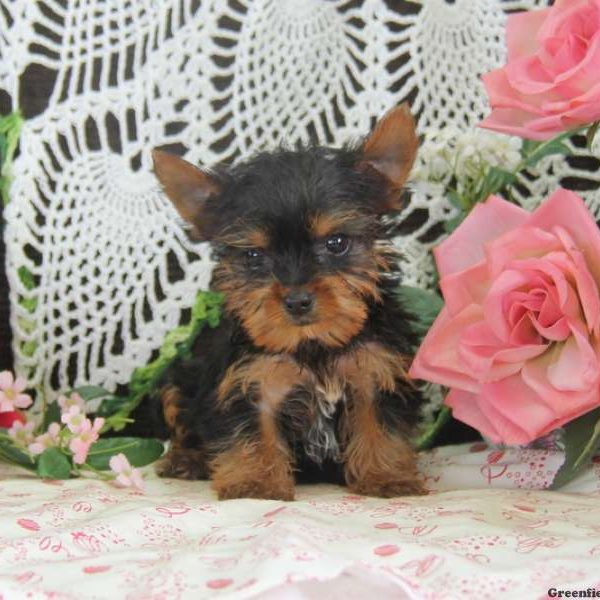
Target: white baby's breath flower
[{"x": 465, "y": 155}]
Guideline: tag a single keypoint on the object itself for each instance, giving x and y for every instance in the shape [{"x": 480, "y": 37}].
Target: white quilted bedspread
[{"x": 475, "y": 536}]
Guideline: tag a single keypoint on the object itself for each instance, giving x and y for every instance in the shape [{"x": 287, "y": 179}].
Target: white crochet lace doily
[{"x": 113, "y": 271}]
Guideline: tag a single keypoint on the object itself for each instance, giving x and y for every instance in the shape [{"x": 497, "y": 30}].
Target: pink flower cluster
[
  {"x": 77, "y": 433},
  {"x": 84, "y": 432}
]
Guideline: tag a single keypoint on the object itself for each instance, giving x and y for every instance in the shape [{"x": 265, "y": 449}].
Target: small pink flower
[
  {"x": 127, "y": 476},
  {"x": 46, "y": 440},
  {"x": 65, "y": 402},
  {"x": 11, "y": 392},
  {"x": 74, "y": 419},
  {"x": 86, "y": 436},
  {"x": 22, "y": 433}
]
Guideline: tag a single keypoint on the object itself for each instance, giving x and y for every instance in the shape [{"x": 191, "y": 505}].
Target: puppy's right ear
[{"x": 188, "y": 187}]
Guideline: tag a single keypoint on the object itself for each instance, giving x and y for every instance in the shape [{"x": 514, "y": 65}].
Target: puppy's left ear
[{"x": 391, "y": 149}]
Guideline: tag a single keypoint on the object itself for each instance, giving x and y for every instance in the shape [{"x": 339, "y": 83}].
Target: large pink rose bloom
[
  {"x": 518, "y": 338},
  {"x": 552, "y": 80}
]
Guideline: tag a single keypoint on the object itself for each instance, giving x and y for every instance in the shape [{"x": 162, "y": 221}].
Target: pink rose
[
  {"x": 518, "y": 338},
  {"x": 552, "y": 80}
]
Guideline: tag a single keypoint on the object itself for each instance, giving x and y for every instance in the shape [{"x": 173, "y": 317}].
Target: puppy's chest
[
  {"x": 311, "y": 400},
  {"x": 330, "y": 391},
  {"x": 314, "y": 411}
]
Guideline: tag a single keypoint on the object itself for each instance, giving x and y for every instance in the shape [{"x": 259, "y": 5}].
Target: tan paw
[
  {"x": 182, "y": 464},
  {"x": 262, "y": 490}
]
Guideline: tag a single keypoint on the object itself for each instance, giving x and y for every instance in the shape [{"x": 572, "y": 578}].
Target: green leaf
[
  {"x": 28, "y": 348},
  {"x": 591, "y": 134},
  {"x": 26, "y": 277},
  {"x": 51, "y": 415},
  {"x": 13, "y": 454},
  {"x": 456, "y": 200},
  {"x": 582, "y": 439},
  {"x": 139, "y": 451},
  {"x": 427, "y": 438},
  {"x": 177, "y": 344},
  {"x": 3, "y": 148},
  {"x": 110, "y": 406},
  {"x": 536, "y": 151},
  {"x": 451, "y": 224},
  {"x": 53, "y": 464},
  {"x": 10, "y": 129},
  {"x": 91, "y": 392},
  {"x": 422, "y": 305},
  {"x": 494, "y": 180},
  {"x": 29, "y": 304}
]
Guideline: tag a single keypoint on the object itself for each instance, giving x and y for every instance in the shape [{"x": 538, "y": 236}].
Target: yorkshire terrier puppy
[{"x": 307, "y": 368}]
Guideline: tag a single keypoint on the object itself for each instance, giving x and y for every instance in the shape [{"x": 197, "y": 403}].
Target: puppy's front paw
[
  {"x": 388, "y": 488},
  {"x": 263, "y": 490},
  {"x": 182, "y": 463}
]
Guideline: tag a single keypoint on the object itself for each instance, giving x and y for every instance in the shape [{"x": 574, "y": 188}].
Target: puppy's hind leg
[{"x": 186, "y": 458}]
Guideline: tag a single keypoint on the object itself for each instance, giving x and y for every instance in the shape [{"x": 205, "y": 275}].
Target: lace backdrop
[{"x": 98, "y": 266}]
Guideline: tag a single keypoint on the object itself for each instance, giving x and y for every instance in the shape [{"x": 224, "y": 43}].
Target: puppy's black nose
[{"x": 299, "y": 302}]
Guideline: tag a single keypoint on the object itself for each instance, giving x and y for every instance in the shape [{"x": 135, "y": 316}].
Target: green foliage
[
  {"x": 91, "y": 392},
  {"x": 422, "y": 306},
  {"x": 533, "y": 152},
  {"x": 177, "y": 344},
  {"x": 591, "y": 134},
  {"x": 139, "y": 451},
  {"x": 51, "y": 415},
  {"x": 10, "y": 129},
  {"x": 582, "y": 440},
  {"x": 427, "y": 439},
  {"x": 495, "y": 180},
  {"x": 53, "y": 464},
  {"x": 26, "y": 277},
  {"x": 10, "y": 453}
]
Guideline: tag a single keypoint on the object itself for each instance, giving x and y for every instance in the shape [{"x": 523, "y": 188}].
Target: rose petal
[
  {"x": 437, "y": 359},
  {"x": 527, "y": 76},
  {"x": 465, "y": 408},
  {"x": 570, "y": 83},
  {"x": 465, "y": 287},
  {"x": 494, "y": 304},
  {"x": 488, "y": 359},
  {"x": 567, "y": 210},
  {"x": 565, "y": 405},
  {"x": 587, "y": 289},
  {"x": 487, "y": 221},
  {"x": 519, "y": 244},
  {"x": 517, "y": 122},
  {"x": 521, "y": 31},
  {"x": 576, "y": 368},
  {"x": 503, "y": 95},
  {"x": 516, "y": 410}
]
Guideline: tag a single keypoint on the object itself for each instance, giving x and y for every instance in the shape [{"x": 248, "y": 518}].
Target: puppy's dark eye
[
  {"x": 254, "y": 257},
  {"x": 337, "y": 244}
]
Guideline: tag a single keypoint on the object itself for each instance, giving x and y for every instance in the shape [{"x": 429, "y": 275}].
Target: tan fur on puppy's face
[{"x": 340, "y": 309}]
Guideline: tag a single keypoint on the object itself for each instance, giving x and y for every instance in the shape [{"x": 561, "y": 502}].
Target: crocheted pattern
[{"x": 98, "y": 265}]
